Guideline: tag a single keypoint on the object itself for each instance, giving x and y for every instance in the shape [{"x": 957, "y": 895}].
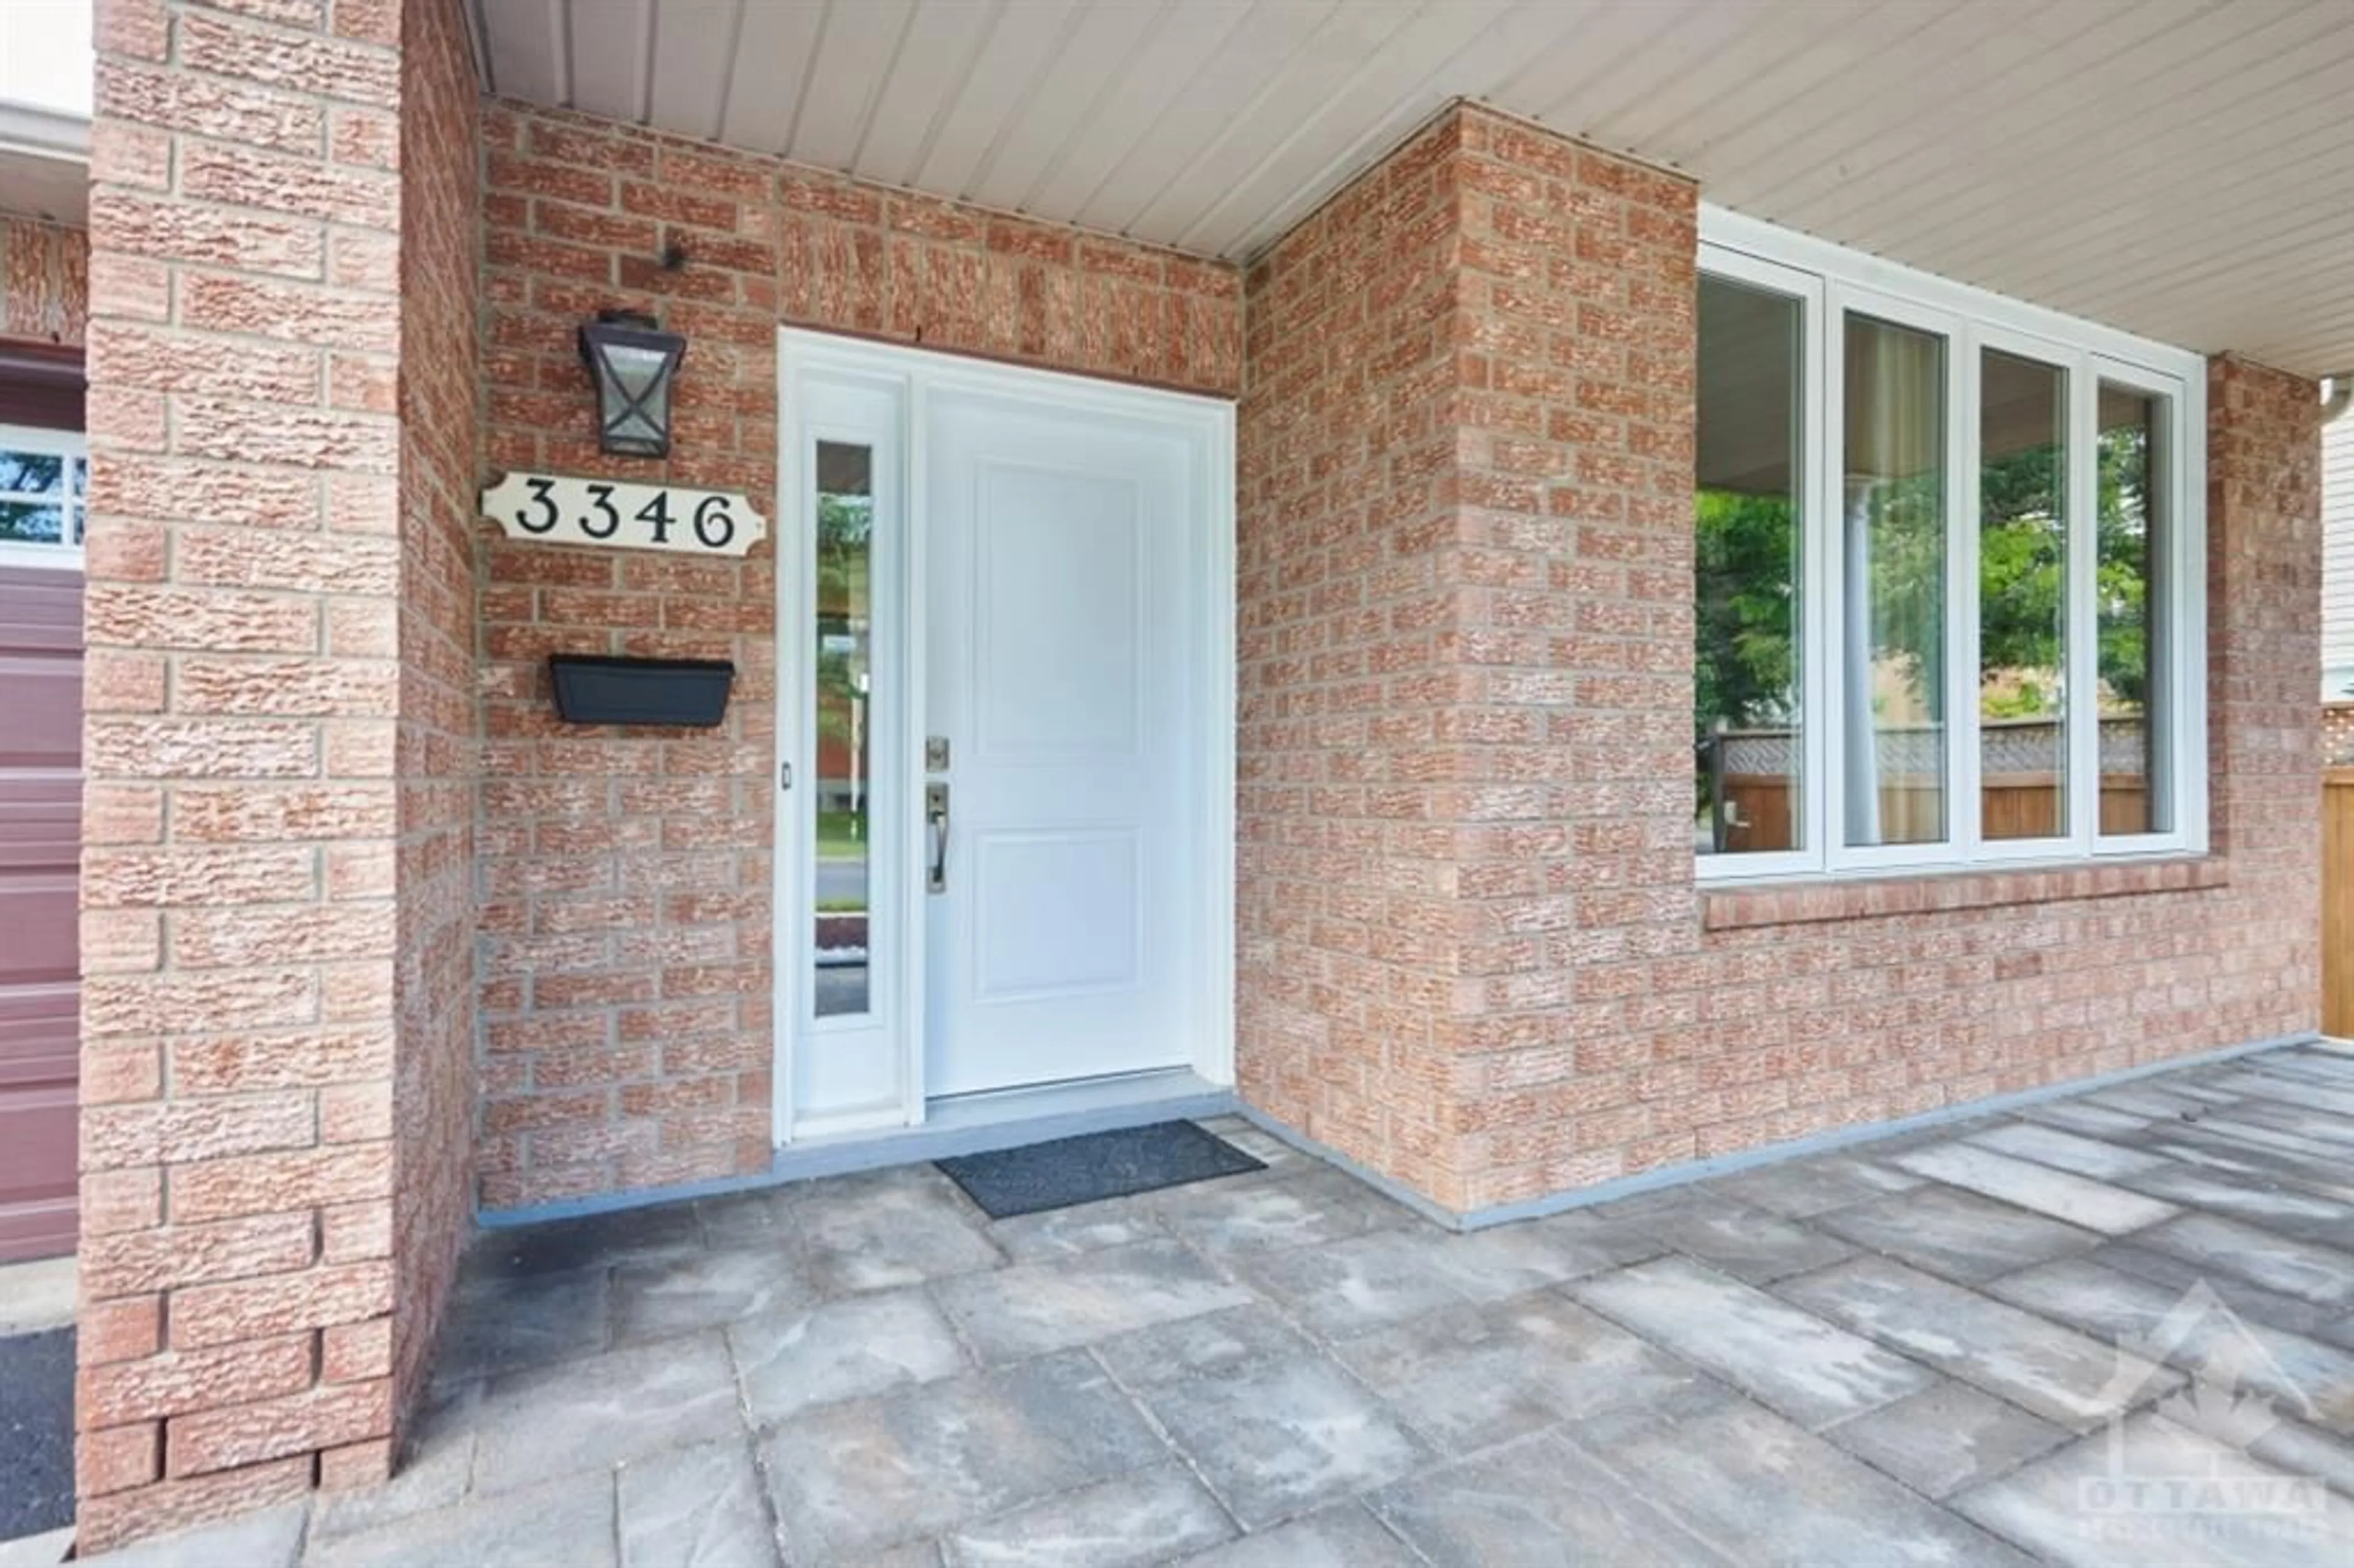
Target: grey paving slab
[
  {"x": 914, "y": 1554},
  {"x": 2257, "y": 1083},
  {"x": 1946, "y": 1438},
  {"x": 2066, "y": 1150},
  {"x": 1219, "y": 1345},
  {"x": 2056, "y": 1373},
  {"x": 1085, "y": 1227},
  {"x": 1538, "y": 1503},
  {"x": 1307, "y": 1209},
  {"x": 591, "y": 1414},
  {"x": 1780, "y": 1355},
  {"x": 2304, "y": 1121},
  {"x": 273, "y": 1539},
  {"x": 1471, "y": 1377},
  {"x": 704, "y": 1290},
  {"x": 1276, "y": 1437},
  {"x": 1034, "y": 1307},
  {"x": 1766, "y": 1492},
  {"x": 2250, "y": 1301},
  {"x": 595, "y": 1241},
  {"x": 2292, "y": 1446},
  {"x": 2292, "y": 1156},
  {"x": 883, "y": 1229},
  {"x": 507, "y": 1324},
  {"x": 2146, "y": 1100},
  {"x": 852, "y": 1348},
  {"x": 567, "y": 1521},
  {"x": 1343, "y": 1536},
  {"x": 1957, "y": 1235},
  {"x": 2193, "y": 1331},
  {"x": 1148, "y": 1516},
  {"x": 2245, "y": 1194},
  {"x": 696, "y": 1508},
  {"x": 1796, "y": 1189},
  {"x": 1346, "y": 1287},
  {"x": 852, "y": 1478},
  {"x": 2322, "y": 1275},
  {"x": 753, "y": 1219},
  {"x": 1747, "y": 1244},
  {"x": 2078, "y": 1199},
  {"x": 1508, "y": 1260},
  {"x": 2319, "y": 1066},
  {"x": 2082, "y": 1115},
  {"x": 1261, "y": 1145},
  {"x": 2161, "y": 1493},
  {"x": 436, "y": 1473}
]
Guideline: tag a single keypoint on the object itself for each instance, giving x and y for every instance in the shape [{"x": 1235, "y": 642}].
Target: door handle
[{"x": 936, "y": 819}]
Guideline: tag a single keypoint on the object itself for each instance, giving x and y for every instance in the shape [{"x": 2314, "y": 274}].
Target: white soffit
[
  {"x": 2183, "y": 169},
  {"x": 44, "y": 164}
]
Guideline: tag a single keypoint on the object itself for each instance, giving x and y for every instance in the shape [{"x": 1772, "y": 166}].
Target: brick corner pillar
[
  {"x": 267, "y": 927},
  {"x": 2264, "y": 679},
  {"x": 1465, "y": 618}
]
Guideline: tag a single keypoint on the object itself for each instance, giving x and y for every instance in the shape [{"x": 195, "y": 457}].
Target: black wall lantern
[{"x": 631, "y": 360}]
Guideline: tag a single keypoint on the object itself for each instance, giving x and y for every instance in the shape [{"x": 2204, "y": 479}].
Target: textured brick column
[
  {"x": 261, "y": 1224},
  {"x": 2264, "y": 655},
  {"x": 1465, "y": 614}
]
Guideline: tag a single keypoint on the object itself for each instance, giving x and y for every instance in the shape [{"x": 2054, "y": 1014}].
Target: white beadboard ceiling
[{"x": 2178, "y": 168}]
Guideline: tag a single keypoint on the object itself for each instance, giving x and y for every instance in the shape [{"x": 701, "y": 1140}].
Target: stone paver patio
[{"x": 1906, "y": 1352}]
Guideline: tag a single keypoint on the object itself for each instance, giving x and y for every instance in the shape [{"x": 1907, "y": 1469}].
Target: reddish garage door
[{"x": 40, "y": 838}]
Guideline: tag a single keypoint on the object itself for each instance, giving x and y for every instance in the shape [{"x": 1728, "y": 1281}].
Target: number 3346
[{"x": 623, "y": 515}]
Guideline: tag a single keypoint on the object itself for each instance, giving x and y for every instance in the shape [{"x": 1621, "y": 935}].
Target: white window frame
[
  {"x": 73, "y": 446},
  {"x": 1827, "y": 282}
]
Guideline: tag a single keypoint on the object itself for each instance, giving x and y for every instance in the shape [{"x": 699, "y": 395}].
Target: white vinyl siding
[{"x": 2338, "y": 559}]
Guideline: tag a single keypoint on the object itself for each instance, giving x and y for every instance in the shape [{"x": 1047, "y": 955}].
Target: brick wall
[
  {"x": 625, "y": 873},
  {"x": 248, "y": 1014},
  {"x": 1473, "y": 955},
  {"x": 438, "y": 156},
  {"x": 44, "y": 282}
]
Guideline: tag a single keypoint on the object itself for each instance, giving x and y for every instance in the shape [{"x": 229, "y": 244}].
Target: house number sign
[{"x": 620, "y": 516}]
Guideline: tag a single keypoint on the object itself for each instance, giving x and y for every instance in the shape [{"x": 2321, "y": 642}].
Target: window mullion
[
  {"x": 1964, "y": 823},
  {"x": 2082, "y": 693},
  {"x": 1817, "y": 612},
  {"x": 1828, "y": 442}
]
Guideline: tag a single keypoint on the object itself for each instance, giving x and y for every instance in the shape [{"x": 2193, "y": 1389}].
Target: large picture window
[{"x": 1947, "y": 611}]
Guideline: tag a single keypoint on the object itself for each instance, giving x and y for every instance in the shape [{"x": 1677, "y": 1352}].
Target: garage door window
[{"x": 43, "y": 477}]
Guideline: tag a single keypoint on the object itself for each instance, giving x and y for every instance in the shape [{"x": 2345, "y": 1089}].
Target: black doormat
[
  {"x": 1098, "y": 1165},
  {"x": 37, "y": 1405}
]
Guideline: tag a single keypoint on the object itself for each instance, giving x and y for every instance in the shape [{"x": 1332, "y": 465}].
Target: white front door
[
  {"x": 1005, "y": 679},
  {"x": 1063, "y": 685}
]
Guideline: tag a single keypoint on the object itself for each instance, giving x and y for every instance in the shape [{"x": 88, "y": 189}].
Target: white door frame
[{"x": 911, "y": 376}]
